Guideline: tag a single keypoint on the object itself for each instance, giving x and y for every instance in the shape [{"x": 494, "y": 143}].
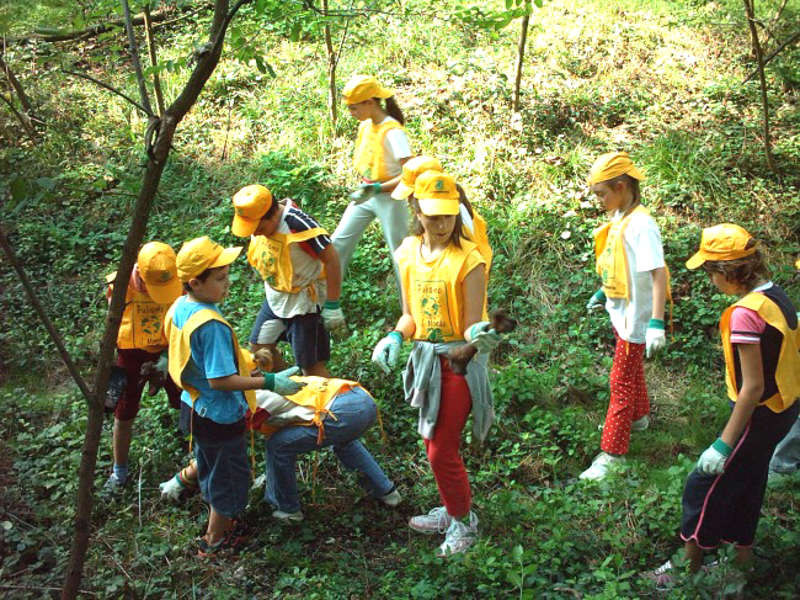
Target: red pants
[
  {"x": 132, "y": 360},
  {"x": 628, "y": 400},
  {"x": 443, "y": 450}
]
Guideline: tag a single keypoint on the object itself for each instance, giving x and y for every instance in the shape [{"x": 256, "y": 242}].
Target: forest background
[{"x": 667, "y": 81}]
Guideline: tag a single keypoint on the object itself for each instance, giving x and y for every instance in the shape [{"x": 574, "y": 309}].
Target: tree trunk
[
  {"x": 751, "y": 22},
  {"x": 12, "y": 79},
  {"x": 523, "y": 37},
  {"x": 332, "y": 60},
  {"x": 207, "y": 60}
]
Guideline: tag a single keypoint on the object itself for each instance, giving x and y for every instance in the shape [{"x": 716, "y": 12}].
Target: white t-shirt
[
  {"x": 395, "y": 147},
  {"x": 643, "y": 252},
  {"x": 306, "y": 270}
]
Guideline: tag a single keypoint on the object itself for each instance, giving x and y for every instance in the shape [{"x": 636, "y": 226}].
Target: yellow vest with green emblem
[
  {"x": 370, "y": 154},
  {"x": 141, "y": 327},
  {"x": 434, "y": 291},
  {"x": 612, "y": 264},
  {"x": 271, "y": 257},
  {"x": 787, "y": 373}
]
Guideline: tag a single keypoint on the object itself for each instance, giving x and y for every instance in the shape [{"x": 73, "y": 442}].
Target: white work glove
[
  {"x": 597, "y": 301},
  {"x": 171, "y": 489},
  {"x": 332, "y": 316},
  {"x": 654, "y": 337},
  {"x": 482, "y": 337},
  {"x": 386, "y": 351},
  {"x": 712, "y": 460},
  {"x": 365, "y": 191}
]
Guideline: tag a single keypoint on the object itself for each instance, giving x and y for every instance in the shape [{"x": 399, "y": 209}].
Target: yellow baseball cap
[
  {"x": 156, "y": 262},
  {"x": 613, "y": 164},
  {"x": 200, "y": 254},
  {"x": 249, "y": 204},
  {"x": 721, "y": 242},
  {"x": 412, "y": 169},
  {"x": 436, "y": 193},
  {"x": 364, "y": 87}
]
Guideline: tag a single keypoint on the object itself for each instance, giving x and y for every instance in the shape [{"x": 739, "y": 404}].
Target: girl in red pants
[
  {"x": 630, "y": 261},
  {"x": 442, "y": 278}
]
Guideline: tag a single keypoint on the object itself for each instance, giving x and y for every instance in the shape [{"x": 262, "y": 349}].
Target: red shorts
[{"x": 132, "y": 360}]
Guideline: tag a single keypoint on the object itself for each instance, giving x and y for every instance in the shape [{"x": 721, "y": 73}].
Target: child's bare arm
[
  {"x": 333, "y": 271},
  {"x": 236, "y": 383},
  {"x": 749, "y": 394},
  {"x": 659, "y": 292}
]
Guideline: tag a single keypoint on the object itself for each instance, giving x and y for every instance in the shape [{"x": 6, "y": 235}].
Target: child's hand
[
  {"x": 284, "y": 385},
  {"x": 655, "y": 339},
  {"x": 597, "y": 301},
  {"x": 365, "y": 191},
  {"x": 712, "y": 460},
  {"x": 386, "y": 351},
  {"x": 332, "y": 316}
]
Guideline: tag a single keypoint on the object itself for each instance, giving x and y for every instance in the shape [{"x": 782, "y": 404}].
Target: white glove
[
  {"x": 482, "y": 337},
  {"x": 597, "y": 301},
  {"x": 171, "y": 490},
  {"x": 365, "y": 191},
  {"x": 712, "y": 460},
  {"x": 655, "y": 339},
  {"x": 386, "y": 351},
  {"x": 332, "y": 316}
]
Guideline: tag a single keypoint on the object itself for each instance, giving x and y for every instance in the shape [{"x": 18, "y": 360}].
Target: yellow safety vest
[
  {"x": 612, "y": 263},
  {"x": 433, "y": 290},
  {"x": 369, "y": 158},
  {"x": 180, "y": 351},
  {"x": 271, "y": 257},
  {"x": 317, "y": 395},
  {"x": 787, "y": 373},
  {"x": 141, "y": 327}
]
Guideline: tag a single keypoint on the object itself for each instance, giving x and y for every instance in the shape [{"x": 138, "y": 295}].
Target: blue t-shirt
[{"x": 212, "y": 357}]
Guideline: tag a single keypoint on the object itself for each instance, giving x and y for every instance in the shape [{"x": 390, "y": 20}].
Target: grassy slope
[{"x": 659, "y": 79}]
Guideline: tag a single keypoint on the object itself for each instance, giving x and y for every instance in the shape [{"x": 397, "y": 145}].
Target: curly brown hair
[{"x": 746, "y": 271}]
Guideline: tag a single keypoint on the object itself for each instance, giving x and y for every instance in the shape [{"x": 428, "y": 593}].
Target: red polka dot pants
[{"x": 628, "y": 400}]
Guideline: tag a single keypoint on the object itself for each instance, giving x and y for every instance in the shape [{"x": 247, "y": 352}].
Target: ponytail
[{"x": 393, "y": 110}]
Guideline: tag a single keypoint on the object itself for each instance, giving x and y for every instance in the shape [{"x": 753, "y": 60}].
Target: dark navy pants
[{"x": 726, "y": 507}]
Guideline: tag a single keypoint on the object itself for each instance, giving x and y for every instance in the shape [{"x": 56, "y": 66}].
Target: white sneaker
[
  {"x": 171, "y": 490},
  {"x": 637, "y": 425},
  {"x": 436, "y": 521},
  {"x": 392, "y": 499},
  {"x": 287, "y": 517},
  {"x": 600, "y": 466},
  {"x": 459, "y": 536}
]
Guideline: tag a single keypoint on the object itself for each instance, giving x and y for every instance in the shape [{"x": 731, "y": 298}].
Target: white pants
[{"x": 393, "y": 215}]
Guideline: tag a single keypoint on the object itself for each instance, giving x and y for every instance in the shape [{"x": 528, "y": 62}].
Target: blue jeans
[
  {"x": 355, "y": 412},
  {"x": 223, "y": 472}
]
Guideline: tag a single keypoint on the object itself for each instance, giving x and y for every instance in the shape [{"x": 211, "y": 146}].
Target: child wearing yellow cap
[
  {"x": 152, "y": 287},
  {"x": 217, "y": 379},
  {"x": 301, "y": 273},
  {"x": 326, "y": 412},
  {"x": 630, "y": 262},
  {"x": 442, "y": 280},
  {"x": 761, "y": 344},
  {"x": 475, "y": 227},
  {"x": 382, "y": 148}
]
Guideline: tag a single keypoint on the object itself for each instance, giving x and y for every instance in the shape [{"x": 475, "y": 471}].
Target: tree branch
[
  {"x": 151, "y": 48},
  {"x": 159, "y": 16},
  {"x": 774, "y": 53},
  {"x": 21, "y": 118},
  {"x": 750, "y": 12},
  {"x": 110, "y": 89},
  {"x": 48, "y": 324},
  {"x": 134, "y": 50}
]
